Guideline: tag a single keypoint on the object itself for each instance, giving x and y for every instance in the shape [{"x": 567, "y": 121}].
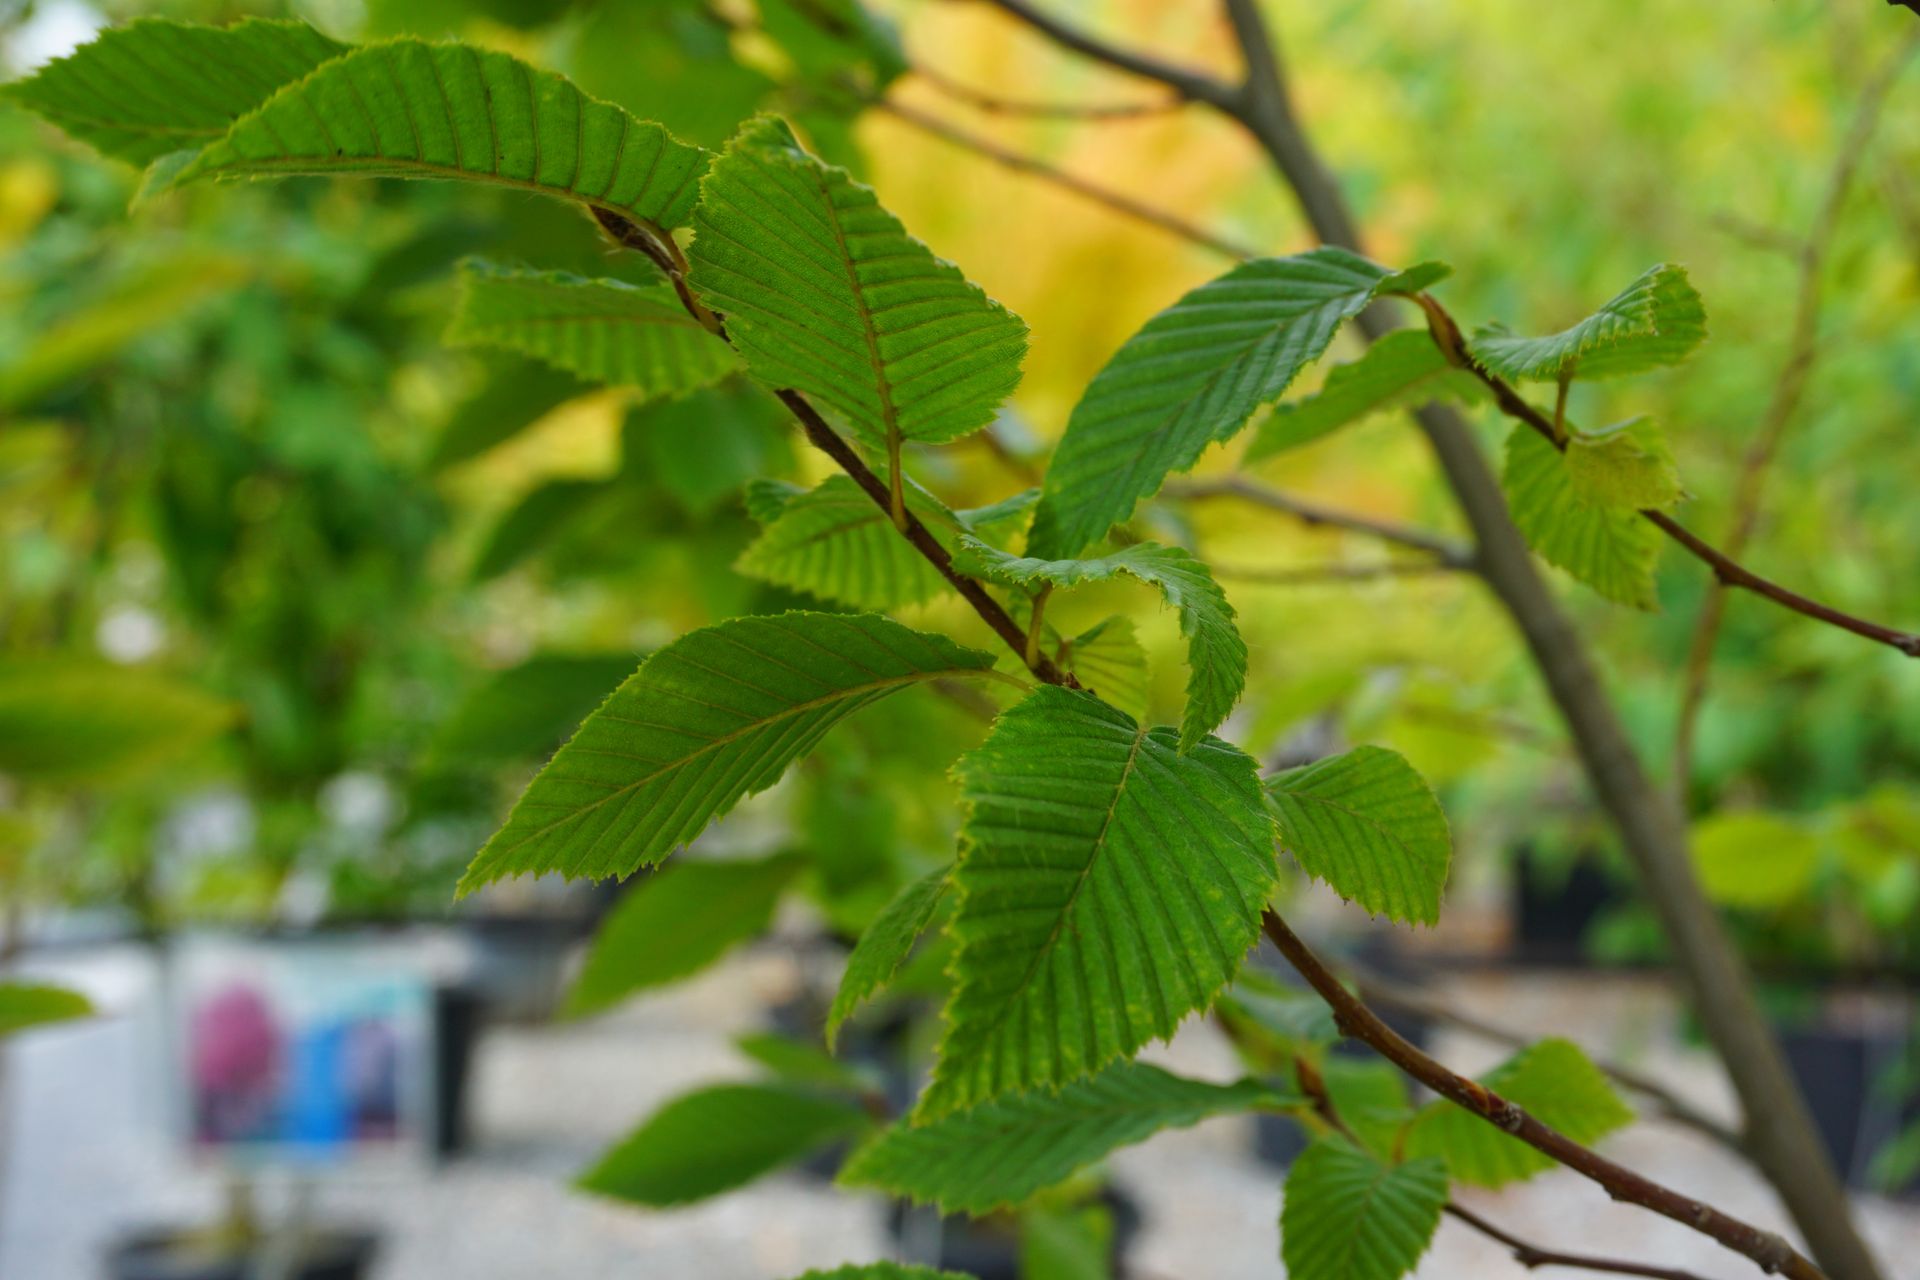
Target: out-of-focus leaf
[
  {"x": 1762, "y": 861},
  {"x": 29, "y": 1004},
  {"x": 885, "y": 944},
  {"x": 525, "y": 711},
  {"x": 72, "y": 720}
]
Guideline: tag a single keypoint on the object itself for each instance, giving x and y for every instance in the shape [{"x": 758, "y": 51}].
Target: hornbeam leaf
[
  {"x": 1403, "y": 368},
  {"x": 154, "y": 87},
  {"x": 1348, "y": 1215},
  {"x": 1109, "y": 885},
  {"x": 70, "y": 720},
  {"x": 825, "y": 293},
  {"x": 717, "y": 715},
  {"x": 1192, "y": 376},
  {"x": 835, "y": 542},
  {"x": 675, "y": 923},
  {"x": 713, "y": 1140},
  {"x": 1109, "y": 659},
  {"x": 525, "y": 711},
  {"x": 1625, "y": 465},
  {"x": 1216, "y": 655},
  {"x": 31, "y": 1004},
  {"x": 1004, "y": 1150},
  {"x": 409, "y": 109},
  {"x": 1552, "y": 1079},
  {"x": 606, "y": 330},
  {"x": 1610, "y": 548},
  {"x": 883, "y": 948},
  {"x": 1657, "y": 320},
  {"x": 1369, "y": 826}
]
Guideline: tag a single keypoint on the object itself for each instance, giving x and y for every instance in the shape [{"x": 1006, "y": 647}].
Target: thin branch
[
  {"x": 993, "y": 104},
  {"x": 1802, "y": 350},
  {"x": 1769, "y": 1251},
  {"x": 1451, "y": 554},
  {"x": 1383, "y": 992},
  {"x": 1526, "y": 1254},
  {"x": 1314, "y": 574},
  {"x": 1195, "y": 86},
  {"x": 1531, "y": 1256},
  {"x": 1730, "y": 572},
  {"x": 1021, "y": 163}
]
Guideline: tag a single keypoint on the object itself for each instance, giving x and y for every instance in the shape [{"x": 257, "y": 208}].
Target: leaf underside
[
  {"x": 1611, "y": 549},
  {"x": 607, "y": 331},
  {"x": 836, "y": 543},
  {"x": 1003, "y": 1151},
  {"x": 883, "y": 947},
  {"x": 1657, "y": 320},
  {"x": 1403, "y": 368},
  {"x": 1110, "y": 885},
  {"x": 717, "y": 715}
]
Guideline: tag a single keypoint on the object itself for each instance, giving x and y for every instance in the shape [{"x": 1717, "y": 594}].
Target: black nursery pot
[
  {"x": 340, "y": 1254},
  {"x": 1553, "y": 909},
  {"x": 989, "y": 1248},
  {"x": 1839, "y": 1069}
]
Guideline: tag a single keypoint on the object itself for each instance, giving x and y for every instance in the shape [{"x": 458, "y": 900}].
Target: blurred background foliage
[{"x": 236, "y": 455}]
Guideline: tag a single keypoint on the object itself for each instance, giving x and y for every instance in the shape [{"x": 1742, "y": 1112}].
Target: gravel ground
[{"x": 85, "y": 1158}]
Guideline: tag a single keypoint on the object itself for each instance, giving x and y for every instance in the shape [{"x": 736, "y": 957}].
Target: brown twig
[
  {"x": 1452, "y": 554},
  {"x": 993, "y": 104},
  {"x": 1020, "y": 163},
  {"x": 1802, "y": 350},
  {"x": 1768, "y": 1250}
]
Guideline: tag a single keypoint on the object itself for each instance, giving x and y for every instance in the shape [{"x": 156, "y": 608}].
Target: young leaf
[
  {"x": 1657, "y": 320},
  {"x": 825, "y": 293},
  {"x": 1216, "y": 655},
  {"x": 1348, "y": 1215},
  {"x": 1609, "y": 548},
  {"x": 717, "y": 715},
  {"x": 31, "y": 1004},
  {"x": 713, "y": 1140},
  {"x": 526, "y": 711},
  {"x": 1067, "y": 1242},
  {"x": 1110, "y": 885},
  {"x": 154, "y": 86},
  {"x": 884, "y": 946},
  {"x": 1760, "y": 861},
  {"x": 409, "y": 109},
  {"x": 1553, "y": 1080},
  {"x": 1626, "y": 465},
  {"x": 1193, "y": 375},
  {"x": 1004, "y": 1150},
  {"x": 1368, "y": 825},
  {"x": 802, "y": 1062},
  {"x": 69, "y": 720},
  {"x": 607, "y": 331},
  {"x": 675, "y": 923},
  {"x": 1109, "y": 659},
  {"x": 835, "y": 542},
  {"x": 1403, "y": 368}
]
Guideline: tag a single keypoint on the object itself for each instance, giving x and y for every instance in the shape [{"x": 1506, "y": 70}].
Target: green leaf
[
  {"x": 525, "y": 711},
  {"x": 675, "y": 923},
  {"x": 30, "y": 1004},
  {"x": 409, "y": 109},
  {"x": 1657, "y": 320},
  {"x": 516, "y": 395},
  {"x": 713, "y": 1140},
  {"x": 883, "y": 1271},
  {"x": 801, "y": 1063},
  {"x": 825, "y": 293},
  {"x": 155, "y": 86},
  {"x": 1626, "y": 465},
  {"x": 1367, "y": 824},
  {"x": 1004, "y": 1150},
  {"x": 607, "y": 331},
  {"x": 1066, "y": 1243},
  {"x": 1192, "y": 376},
  {"x": 1760, "y": 861},
  {"x": 1216, "y": 655},
  {"x": 1403, "y": 368},
  {"x": 704, "y": 447},
  {"x": 533, "y": 522},
  {"x": 837, "y": 543},
  {"x": 717, "y": 715},
  {"x": 1554, "y": 1081},
  {"x": 1348, "y": 1215},
  {"x": 883, "y": 948},
  {"x": 1109, "y": 659},
  {"x": 1110, "y": 885},
  {"x": 73, "y": 720},
  {"x": 1611, "y": 549}
]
